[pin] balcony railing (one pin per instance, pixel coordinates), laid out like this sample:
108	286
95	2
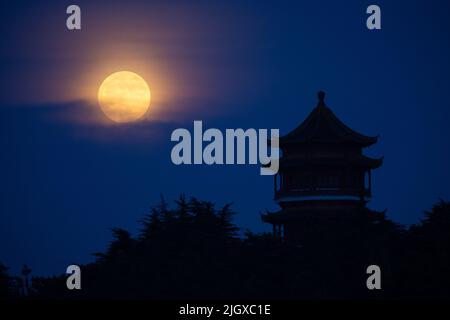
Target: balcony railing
325	191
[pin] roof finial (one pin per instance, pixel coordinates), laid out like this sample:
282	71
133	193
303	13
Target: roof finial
321	97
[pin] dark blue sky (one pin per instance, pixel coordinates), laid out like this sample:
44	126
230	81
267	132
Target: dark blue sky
67	176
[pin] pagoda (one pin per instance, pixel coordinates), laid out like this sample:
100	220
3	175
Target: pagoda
323	174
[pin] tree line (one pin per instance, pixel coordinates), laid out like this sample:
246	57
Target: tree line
193	249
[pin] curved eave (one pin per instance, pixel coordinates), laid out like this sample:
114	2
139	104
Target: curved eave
286	140
327	210
322	117
376	163
360	161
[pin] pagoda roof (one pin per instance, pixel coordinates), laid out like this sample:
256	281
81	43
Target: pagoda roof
324	212
357	160
322	126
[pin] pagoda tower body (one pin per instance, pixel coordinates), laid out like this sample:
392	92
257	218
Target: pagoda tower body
323	175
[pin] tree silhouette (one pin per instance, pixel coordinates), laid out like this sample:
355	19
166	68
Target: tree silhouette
428	257
194	250
5	282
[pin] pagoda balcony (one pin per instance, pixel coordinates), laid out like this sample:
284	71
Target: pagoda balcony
318	192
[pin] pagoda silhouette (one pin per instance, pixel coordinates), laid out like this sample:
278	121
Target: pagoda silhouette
323	179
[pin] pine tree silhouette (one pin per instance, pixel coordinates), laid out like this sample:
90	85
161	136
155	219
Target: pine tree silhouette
193	250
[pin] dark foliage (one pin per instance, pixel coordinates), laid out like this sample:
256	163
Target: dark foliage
194	251
4	282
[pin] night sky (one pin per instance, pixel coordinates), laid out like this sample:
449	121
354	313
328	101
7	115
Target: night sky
68	174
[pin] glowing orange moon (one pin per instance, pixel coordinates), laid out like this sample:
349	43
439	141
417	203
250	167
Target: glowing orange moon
124	96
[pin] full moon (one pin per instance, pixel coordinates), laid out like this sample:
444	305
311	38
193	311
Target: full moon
124	96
